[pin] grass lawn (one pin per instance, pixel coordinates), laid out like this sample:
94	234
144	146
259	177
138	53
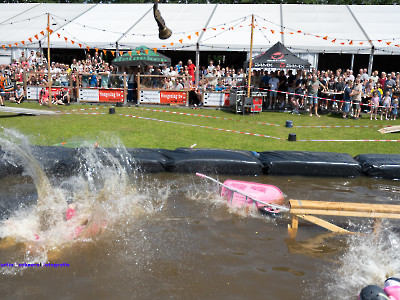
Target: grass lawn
144	133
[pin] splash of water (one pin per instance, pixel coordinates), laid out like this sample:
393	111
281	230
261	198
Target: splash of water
104	191
368	259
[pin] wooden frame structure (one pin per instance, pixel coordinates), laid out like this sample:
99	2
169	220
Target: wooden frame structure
307	209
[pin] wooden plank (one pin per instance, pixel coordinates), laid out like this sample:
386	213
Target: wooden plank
293	228
343	213
26	111
390	129
343	206
324	224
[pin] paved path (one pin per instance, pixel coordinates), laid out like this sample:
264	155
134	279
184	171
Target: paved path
26	111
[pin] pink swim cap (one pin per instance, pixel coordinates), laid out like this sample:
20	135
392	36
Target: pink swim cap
393	292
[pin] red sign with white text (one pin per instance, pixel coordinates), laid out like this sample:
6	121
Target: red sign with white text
173	97
106	95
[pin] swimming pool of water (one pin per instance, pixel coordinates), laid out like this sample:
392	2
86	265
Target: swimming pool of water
172	237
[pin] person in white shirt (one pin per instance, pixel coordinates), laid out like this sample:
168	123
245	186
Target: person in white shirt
273	86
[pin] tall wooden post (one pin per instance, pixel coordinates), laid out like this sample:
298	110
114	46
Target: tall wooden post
251	55
48	57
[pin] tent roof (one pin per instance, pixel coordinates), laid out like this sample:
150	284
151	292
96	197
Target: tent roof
305	28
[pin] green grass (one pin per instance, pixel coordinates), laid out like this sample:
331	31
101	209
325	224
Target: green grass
135	132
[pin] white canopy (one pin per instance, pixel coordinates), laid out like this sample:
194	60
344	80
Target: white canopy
301	28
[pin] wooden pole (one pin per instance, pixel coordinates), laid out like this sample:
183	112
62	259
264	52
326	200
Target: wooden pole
48	57
251	55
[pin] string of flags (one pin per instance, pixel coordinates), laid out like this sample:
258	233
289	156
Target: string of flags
191	36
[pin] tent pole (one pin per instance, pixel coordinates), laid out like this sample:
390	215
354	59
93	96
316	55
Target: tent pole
352	62
197	63
116	49
251	55
371	60
48	57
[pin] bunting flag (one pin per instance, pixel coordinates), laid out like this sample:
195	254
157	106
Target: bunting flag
189	37
30	39
104	51
112	52
4	47
66	39
16	44
146	51
42	32
120	53
130	53
138	52
59	35
36	36
80	45
73	42
155	50
181	40
23	42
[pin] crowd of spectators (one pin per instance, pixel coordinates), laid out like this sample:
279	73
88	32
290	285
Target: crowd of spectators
312	91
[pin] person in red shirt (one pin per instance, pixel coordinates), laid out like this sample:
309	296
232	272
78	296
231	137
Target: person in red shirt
191	69
2	81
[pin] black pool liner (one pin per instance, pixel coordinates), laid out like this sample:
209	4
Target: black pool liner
380	165
305	163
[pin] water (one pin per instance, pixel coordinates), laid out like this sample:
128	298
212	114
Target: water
169	236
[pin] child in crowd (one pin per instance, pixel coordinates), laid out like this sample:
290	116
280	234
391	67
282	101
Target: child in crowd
386	101
374	105
394	109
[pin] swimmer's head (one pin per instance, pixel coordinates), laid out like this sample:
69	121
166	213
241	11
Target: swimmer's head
372	292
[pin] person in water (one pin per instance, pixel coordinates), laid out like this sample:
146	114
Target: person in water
391	291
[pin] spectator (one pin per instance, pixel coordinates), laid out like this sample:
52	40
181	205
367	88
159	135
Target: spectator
357	93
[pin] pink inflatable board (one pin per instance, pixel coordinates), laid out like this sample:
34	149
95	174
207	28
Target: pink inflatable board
263	192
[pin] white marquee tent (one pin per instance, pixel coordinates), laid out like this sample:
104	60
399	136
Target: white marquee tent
301	28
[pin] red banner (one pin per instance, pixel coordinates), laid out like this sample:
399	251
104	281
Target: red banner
106	95
173	97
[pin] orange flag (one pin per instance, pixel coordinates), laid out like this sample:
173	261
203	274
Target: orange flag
57	35
87	47
16	44
23	42
163	46
325	38
181	40
4	47
342	43
298	31
105	52
9	45
333	40
155	50
66	39
97	50
397	45
172	44
351	43
121	52
36	36
80	45
214	28
272	31
112	52
189	37
138	52
361	43
388	43
42	32
204	29
130	53
72	42
379	41
146	51
197	33
30	39
281	32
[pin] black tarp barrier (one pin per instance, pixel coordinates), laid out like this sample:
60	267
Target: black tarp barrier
304	163
380	165
64	162
213	161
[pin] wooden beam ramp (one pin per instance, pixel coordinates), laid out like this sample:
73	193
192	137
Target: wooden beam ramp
307	209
